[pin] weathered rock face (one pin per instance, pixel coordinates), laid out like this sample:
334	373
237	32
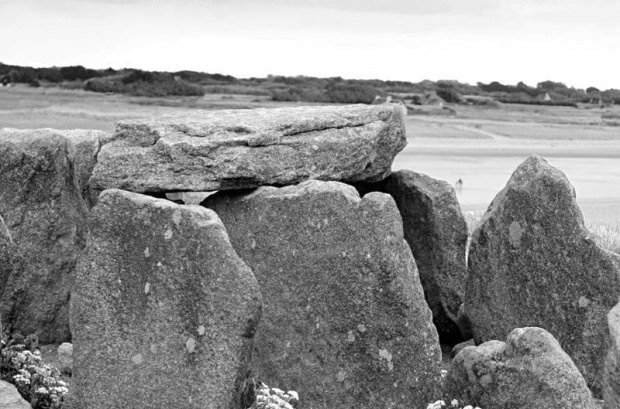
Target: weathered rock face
10	397
529	370
344	318
87	145
42	230
83	149
437	234
532	262
163	312
236	149
611	381
65	357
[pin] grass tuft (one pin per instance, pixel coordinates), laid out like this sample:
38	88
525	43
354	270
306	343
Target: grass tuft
608	237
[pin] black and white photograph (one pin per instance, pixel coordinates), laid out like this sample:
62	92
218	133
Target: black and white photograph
309	204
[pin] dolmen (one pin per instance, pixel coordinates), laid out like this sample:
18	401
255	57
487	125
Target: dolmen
286	276
302	262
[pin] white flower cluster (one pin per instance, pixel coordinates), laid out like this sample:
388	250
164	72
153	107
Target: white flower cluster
274	398
453	405
34	378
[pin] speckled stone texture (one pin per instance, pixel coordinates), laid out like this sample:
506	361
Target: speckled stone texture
237	149
84	145
163	311
42	230
87	145
611	380
437	234
10	397
529	370
345	322
532	262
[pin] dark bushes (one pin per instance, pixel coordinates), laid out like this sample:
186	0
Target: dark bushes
144	83
333	93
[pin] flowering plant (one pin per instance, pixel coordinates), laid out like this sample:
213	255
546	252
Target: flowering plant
454	404
37	382
274	398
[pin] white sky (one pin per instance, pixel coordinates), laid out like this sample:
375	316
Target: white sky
571	41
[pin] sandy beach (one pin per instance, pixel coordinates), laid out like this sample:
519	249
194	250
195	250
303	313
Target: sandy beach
485	165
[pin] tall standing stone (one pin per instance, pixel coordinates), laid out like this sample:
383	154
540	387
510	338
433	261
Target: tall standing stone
42	230
436	231
532	262
163	312
611	380
345	322
237	149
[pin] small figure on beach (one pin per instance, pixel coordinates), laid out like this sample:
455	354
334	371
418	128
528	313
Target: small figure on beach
459	185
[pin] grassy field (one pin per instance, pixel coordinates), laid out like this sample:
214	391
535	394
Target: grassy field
480	145
24	107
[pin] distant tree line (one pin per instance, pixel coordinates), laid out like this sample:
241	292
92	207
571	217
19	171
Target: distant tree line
298	88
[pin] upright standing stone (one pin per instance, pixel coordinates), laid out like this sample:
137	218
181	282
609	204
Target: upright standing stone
532	262
345	322
163	311
42	230
436	231
611	381
218	150
529	370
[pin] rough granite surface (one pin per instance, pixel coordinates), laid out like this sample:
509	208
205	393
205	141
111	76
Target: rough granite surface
237	149
87	146
10	397
42	231
345	322
529	370
532	262
611	380
163	312
436	231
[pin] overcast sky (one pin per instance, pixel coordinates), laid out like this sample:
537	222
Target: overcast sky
571	41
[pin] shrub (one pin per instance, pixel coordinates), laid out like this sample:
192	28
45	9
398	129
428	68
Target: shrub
144	83
449	95
351	94
77	72
37	382
299	94
454	404
274	398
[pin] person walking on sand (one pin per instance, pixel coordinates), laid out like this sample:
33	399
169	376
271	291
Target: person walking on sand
459	185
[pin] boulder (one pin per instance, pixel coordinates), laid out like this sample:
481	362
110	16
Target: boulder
611	379
460	346
529	370
533	262
10	397
65	357
238	149
345	322
42	230
436	231
163	311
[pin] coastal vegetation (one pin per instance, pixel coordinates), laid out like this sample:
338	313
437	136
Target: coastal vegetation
301	88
